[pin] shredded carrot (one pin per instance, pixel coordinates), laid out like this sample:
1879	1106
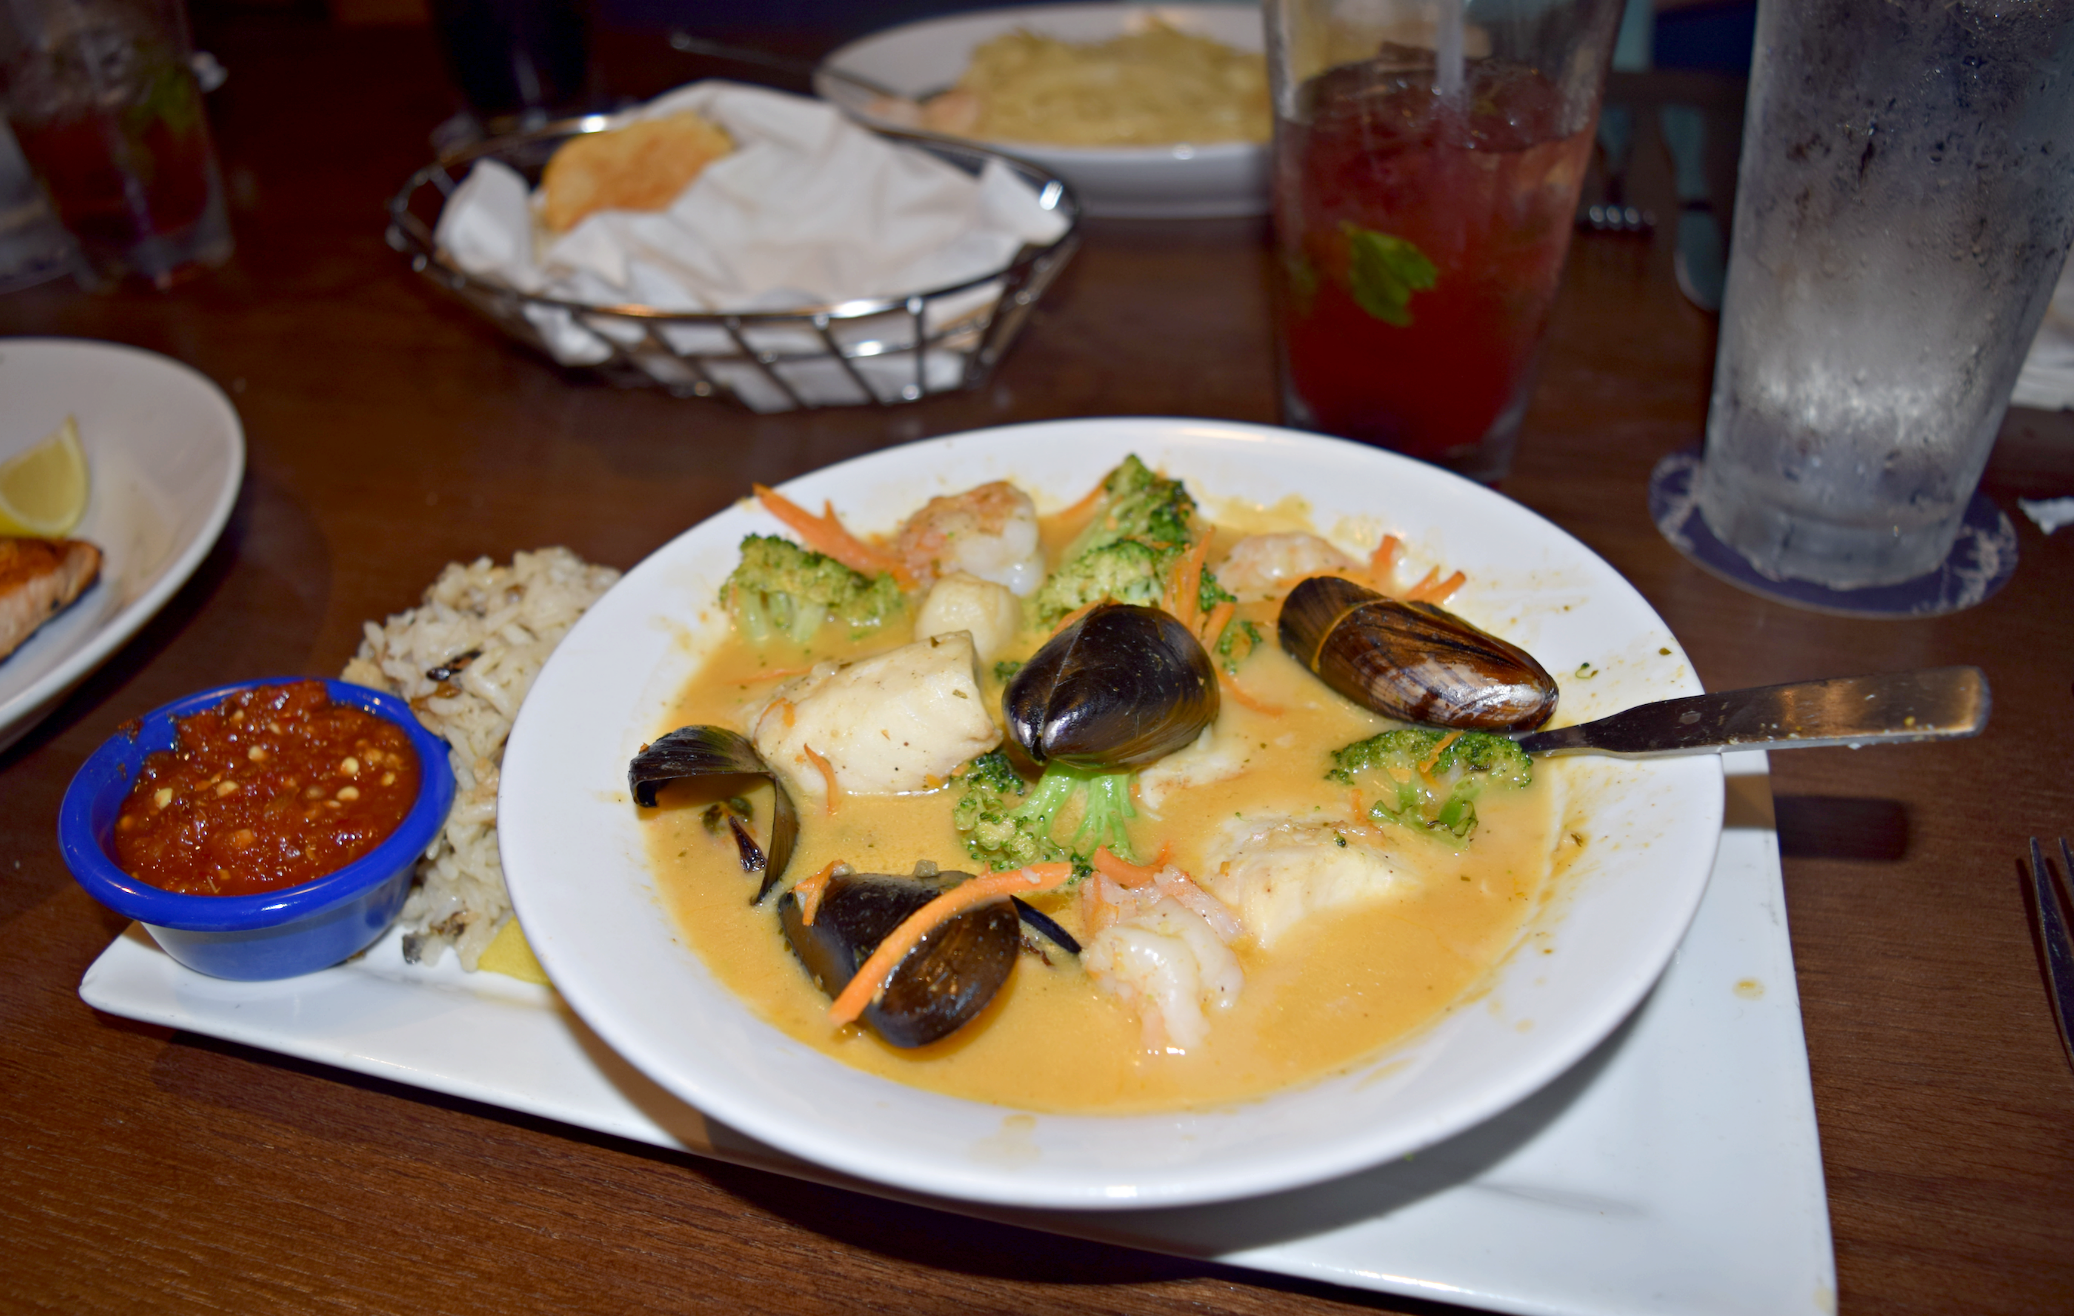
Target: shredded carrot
870	979
1432	591
1383	561
785	708
1354	798
1425	583
825	534
827	771
775	674
1077	614
1232	688
1426	767
1095	912
1128	874
1086	506
809	890
1220	617
1184	592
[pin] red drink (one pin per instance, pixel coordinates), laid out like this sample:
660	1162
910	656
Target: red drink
1421	241
112	186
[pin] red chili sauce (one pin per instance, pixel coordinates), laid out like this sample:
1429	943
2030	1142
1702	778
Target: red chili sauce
271	788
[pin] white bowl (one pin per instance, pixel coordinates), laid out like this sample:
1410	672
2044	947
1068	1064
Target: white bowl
1179	181
579	874
166	454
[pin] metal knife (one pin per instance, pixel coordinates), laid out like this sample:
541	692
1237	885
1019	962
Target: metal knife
1938	703
1700	266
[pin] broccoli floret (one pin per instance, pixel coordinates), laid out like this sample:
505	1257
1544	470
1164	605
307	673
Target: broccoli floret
1138	503
1422	783
1237	644
781	588
1128	548
1008	823
1127	570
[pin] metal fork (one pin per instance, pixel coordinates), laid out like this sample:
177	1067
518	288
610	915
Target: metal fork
2055	907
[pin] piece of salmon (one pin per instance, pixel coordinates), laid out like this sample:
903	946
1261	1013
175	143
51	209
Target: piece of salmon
38	577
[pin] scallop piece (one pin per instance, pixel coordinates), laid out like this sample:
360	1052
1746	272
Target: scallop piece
889	724
1276	870
1267	566
964	602
989	531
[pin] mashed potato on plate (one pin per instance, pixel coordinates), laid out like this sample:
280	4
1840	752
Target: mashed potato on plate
1149	88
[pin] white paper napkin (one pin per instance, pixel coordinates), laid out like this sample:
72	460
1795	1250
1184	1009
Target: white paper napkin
808	210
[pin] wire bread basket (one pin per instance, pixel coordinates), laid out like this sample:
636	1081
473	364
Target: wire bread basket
869	351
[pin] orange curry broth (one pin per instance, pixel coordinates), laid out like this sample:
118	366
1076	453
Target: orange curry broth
273	787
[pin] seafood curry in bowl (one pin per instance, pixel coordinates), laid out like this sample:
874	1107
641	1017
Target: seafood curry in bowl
965	829
1214	806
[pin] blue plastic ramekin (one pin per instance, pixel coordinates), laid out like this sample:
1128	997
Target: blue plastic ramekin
274	934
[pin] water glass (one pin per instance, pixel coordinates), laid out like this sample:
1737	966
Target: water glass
103	100
1428	158
1905	202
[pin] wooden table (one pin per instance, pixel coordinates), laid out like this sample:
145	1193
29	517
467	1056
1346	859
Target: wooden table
391	432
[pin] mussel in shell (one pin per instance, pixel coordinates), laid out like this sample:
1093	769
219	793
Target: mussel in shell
1413	661
718	752
940	985
1117	689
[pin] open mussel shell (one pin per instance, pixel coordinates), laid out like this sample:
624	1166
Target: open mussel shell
1117	689
1413	661
946	980
717	752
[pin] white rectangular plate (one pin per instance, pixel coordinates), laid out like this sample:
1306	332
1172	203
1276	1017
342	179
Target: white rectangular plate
1675	1170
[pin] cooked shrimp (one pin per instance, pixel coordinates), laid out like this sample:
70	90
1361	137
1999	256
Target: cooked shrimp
989	532
1269	566
1162	951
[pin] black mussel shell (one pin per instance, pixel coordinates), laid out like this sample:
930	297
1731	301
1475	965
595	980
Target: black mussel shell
946	980
1413	661
717	752
1117	689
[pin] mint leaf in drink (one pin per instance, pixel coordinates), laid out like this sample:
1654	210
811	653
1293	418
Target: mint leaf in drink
1384	271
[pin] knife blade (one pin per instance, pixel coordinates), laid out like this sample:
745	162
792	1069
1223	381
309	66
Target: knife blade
1699	264
1938	703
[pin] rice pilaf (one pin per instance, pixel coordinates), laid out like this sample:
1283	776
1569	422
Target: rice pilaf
464	658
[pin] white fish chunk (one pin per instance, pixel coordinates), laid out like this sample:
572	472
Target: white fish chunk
1276	870
1211	758
895	722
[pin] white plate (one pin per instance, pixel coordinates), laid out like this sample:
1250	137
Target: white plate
1675	1171
167	454
1180	181
576	864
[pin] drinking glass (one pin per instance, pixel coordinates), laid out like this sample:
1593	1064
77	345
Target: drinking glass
1428	157
1906	199
104	103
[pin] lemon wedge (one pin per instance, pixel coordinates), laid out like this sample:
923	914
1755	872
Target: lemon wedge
43	491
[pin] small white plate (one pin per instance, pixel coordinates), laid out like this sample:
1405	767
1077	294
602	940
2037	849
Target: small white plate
166	453
577	865
1181	181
